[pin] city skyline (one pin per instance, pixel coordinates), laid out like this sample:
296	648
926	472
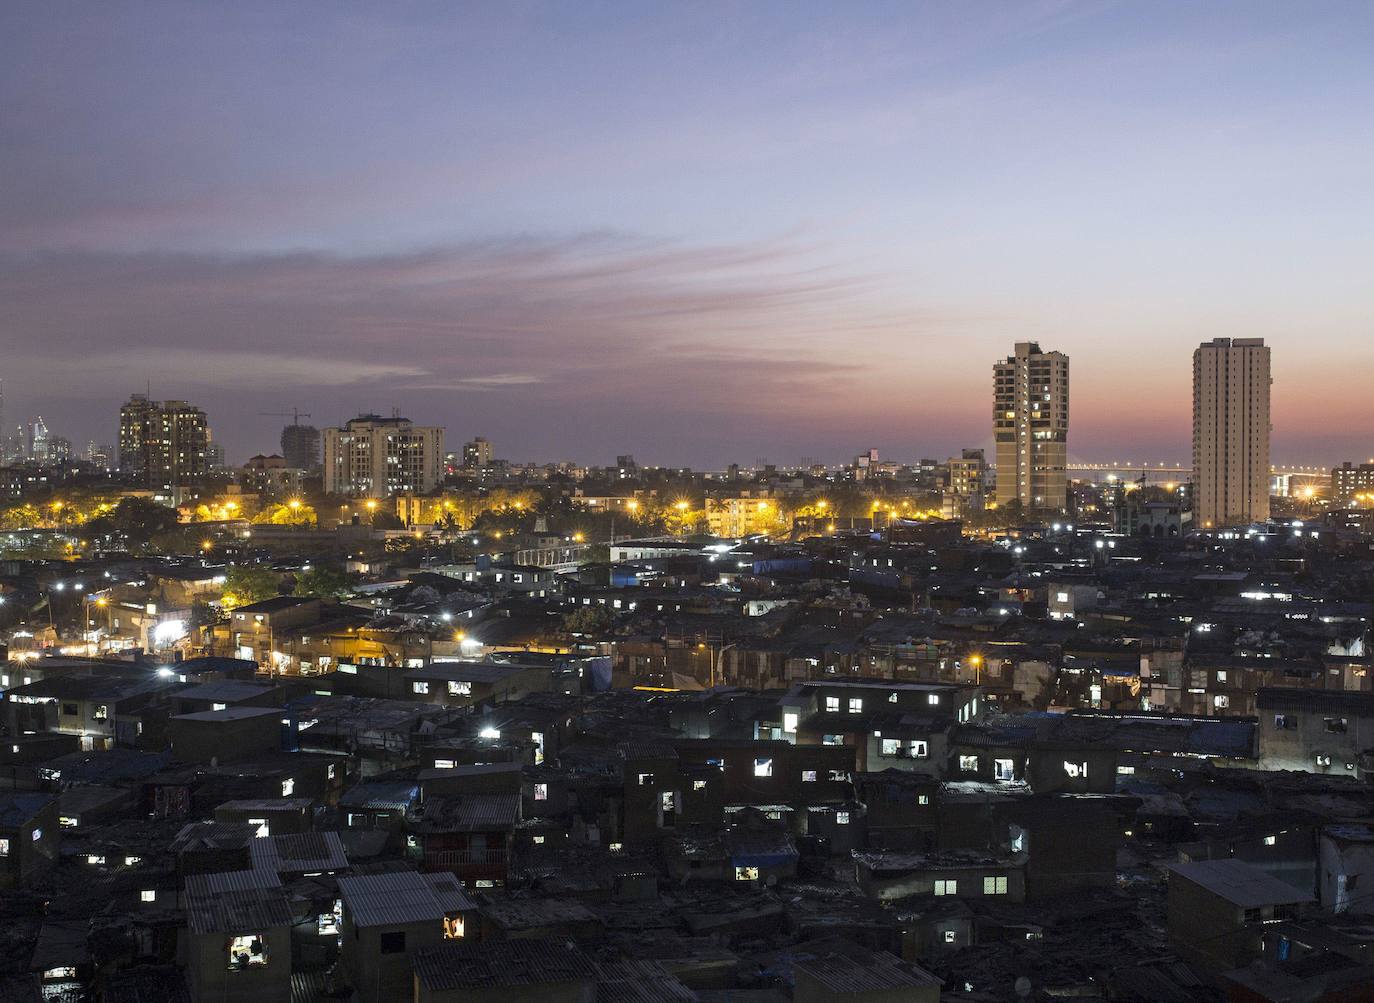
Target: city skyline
822	224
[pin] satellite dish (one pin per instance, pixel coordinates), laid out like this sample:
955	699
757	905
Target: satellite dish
1022	985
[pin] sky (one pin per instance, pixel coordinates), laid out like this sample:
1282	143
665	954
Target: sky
697	232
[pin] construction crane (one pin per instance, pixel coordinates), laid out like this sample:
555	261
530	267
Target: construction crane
294	414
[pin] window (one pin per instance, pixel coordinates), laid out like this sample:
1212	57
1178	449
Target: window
832	704
541	792
1270	840
4	846
261	823
892	698
1285	722
219	706
1323	760
1076	771
923	799
288	787
1221	675
147	895
838	776
892	747
950	936
968	764
856	705
667	800
538	840
763	767
808	776
995	886
832	740
1003	769
102	711
419	687
645	779
746	873
841	818
69	710
946	886
919	749
247	952
1221	701
933	699
700	785
445	764
131	860
394	942
454	927
1335	725
790	720
459	688
95	859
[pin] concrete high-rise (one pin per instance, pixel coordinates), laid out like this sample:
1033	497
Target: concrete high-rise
376	457
1231	384
300	446
1031	427
163	444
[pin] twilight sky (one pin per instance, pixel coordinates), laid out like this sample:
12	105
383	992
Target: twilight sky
695	231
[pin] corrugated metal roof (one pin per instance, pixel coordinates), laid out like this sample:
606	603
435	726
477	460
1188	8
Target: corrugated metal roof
1240	883
298	852
243	910
401	897
461	964
881	971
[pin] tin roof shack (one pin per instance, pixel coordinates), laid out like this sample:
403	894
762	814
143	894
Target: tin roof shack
901	809
301	854
221	693
965	874
238	943
469	835
225	735
1345	865
269	816
539	918
862	976
28	838
1218	908
513	971
463	684
1316	731
90	707
650	794
389	918
379	804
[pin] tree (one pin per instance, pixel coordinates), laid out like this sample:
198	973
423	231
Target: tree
293	513
322	582
244	585
588	620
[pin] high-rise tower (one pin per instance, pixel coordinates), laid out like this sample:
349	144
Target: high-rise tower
1031	426
1231	384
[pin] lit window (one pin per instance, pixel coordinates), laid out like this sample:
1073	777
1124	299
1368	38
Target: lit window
541	792
454	927
1076	771
808	776
841	818
856	705
919	749
419	687
946	886
832	740
95	860
445	764
130	861
1270	840
249	951
1003	769
763	767
838	776
832	704
949	936
933	699
645	779
698	785
968	764
923	799
995	886
261	823
789	721
147	895
746	873
892	747
538	840
459	688
288	787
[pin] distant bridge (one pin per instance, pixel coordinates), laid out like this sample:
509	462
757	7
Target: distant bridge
1164	472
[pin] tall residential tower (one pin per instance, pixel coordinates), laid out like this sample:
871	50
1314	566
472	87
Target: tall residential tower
1031	426
376	457
1230	432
